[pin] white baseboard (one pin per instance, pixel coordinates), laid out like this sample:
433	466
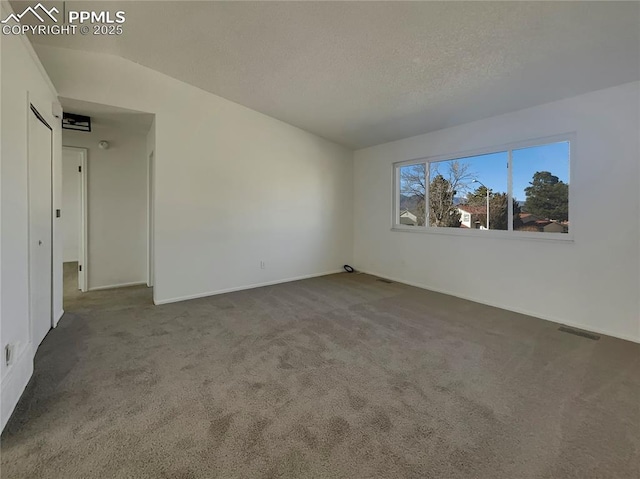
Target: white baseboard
241	288
121	285
515	310
15	381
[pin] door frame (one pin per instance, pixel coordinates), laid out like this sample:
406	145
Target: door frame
83	244
150	218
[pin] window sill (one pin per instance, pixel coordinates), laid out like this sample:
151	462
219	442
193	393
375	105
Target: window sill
491	234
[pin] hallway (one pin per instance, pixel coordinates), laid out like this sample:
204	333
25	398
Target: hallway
77	302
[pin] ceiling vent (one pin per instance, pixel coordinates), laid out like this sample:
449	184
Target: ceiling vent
71	121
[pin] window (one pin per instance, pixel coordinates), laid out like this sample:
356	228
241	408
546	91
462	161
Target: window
522	189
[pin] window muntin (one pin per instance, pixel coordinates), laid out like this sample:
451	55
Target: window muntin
451	193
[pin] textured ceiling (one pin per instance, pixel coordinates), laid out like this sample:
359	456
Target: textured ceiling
364	73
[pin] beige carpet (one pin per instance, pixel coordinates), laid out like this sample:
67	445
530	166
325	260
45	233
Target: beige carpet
342	376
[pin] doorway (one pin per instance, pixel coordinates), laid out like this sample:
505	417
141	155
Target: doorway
74	220
106	195
40	174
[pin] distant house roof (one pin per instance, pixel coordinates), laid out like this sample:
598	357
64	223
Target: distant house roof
473	209
544	225
408	218
528	218
555	227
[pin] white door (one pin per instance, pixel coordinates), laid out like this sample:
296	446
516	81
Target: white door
40	237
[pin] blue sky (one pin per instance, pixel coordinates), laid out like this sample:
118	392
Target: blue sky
553	157
492	169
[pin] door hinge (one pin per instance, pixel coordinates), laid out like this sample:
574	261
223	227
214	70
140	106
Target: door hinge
79	169
79	267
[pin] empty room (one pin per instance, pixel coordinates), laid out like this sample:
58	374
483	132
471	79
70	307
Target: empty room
320	239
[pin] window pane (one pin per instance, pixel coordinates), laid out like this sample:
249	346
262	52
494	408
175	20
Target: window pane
412	190
458	196
541	188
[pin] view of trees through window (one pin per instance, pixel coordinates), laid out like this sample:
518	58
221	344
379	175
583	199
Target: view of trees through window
473	192
412	195
541	188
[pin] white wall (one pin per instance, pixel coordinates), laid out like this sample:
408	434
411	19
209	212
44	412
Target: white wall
233	187
70	220
591	283
117	203
22	81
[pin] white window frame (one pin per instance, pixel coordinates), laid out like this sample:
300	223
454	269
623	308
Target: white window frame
505	148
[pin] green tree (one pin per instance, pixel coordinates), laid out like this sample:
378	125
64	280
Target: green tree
498	208
478	197
448	179
499	212
547	197
517	222
442	211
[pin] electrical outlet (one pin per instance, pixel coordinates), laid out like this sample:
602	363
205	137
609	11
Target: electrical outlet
263	265
8	354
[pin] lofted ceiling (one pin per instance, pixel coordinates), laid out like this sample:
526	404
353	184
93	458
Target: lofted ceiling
364	73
